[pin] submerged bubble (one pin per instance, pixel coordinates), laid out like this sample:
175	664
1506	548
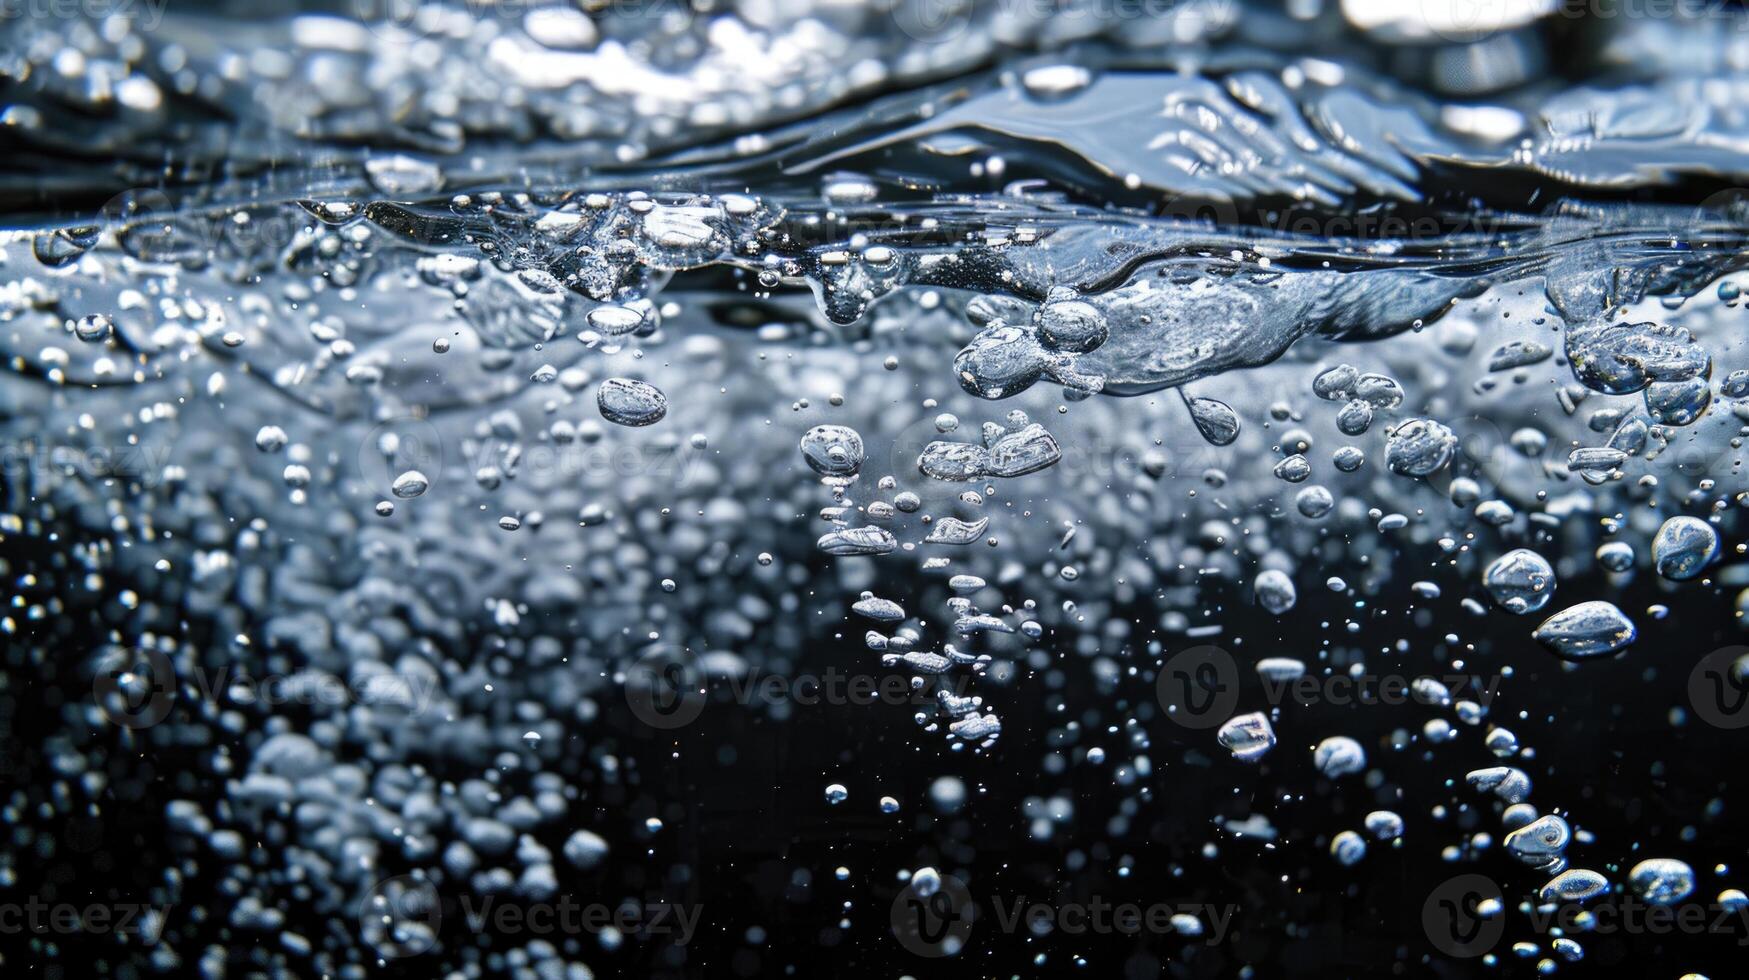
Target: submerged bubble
1419	447
1678	402
1662	881
1538	841
1622	358
1574	885
1248	737
1339	756
93	328
410	484
1384	825
833	450
1335	383
1589	629
1684	547
1617	556
1066	323
627	402
1217	422
858	541
1275	591
1348	848
1000	361
1521	581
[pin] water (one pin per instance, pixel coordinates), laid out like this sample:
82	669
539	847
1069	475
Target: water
635	490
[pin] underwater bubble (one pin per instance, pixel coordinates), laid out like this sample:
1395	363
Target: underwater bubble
1066	323
952	530
93	328
1683	548
1541	839
410	484
1589	629
833	450
624	401
1622	358
1662	881
1275	591
1293	469
1521	581
858	541
1217	422
1348	848
1383	825
1574	885
1378	390
880	610
270	439
1000	361
1355	417
1314	502
1617	556
1248	737
1339	756
1517	353
1505	782
1335	383
1678	403
1419	447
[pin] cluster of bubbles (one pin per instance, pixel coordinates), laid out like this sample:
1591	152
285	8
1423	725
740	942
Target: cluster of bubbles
368	456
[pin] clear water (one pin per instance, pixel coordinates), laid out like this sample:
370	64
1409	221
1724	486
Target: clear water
803	472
